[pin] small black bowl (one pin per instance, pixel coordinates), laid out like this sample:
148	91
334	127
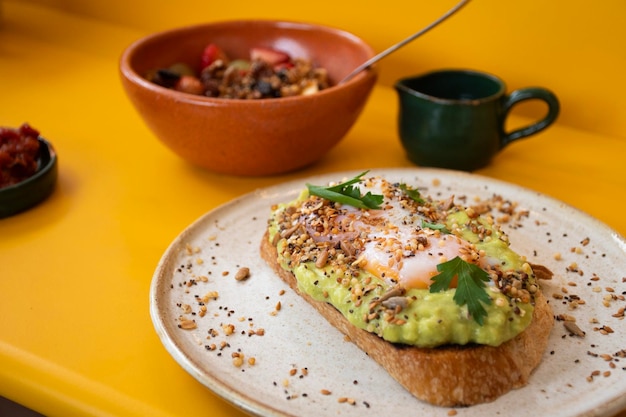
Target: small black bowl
33	190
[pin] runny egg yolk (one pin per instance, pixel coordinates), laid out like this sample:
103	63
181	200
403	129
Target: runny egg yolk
411	269
391	252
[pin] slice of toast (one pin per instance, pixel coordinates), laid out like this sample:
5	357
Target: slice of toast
447	375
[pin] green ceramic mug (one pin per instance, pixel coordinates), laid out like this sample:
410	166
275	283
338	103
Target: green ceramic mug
456	118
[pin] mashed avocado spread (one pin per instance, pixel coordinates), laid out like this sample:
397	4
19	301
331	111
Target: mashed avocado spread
330	248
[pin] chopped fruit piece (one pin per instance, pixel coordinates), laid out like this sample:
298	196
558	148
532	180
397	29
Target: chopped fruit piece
284	65
189	84
311	88
241	64
269	55
211	54
181	68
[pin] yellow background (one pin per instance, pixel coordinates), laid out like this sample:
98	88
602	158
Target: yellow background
576	48
75	332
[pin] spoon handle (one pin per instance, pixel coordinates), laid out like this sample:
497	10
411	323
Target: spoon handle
400	44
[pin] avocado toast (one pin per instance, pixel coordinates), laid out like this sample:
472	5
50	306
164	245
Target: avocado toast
429	289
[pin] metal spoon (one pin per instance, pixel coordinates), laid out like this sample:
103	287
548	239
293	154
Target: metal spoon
400	44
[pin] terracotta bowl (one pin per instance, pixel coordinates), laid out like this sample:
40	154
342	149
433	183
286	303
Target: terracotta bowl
249	137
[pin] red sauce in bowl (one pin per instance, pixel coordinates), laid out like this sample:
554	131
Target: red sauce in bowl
19	154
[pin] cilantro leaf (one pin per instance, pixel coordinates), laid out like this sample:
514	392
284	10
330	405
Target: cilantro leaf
470	288
346	193
412	193
435	226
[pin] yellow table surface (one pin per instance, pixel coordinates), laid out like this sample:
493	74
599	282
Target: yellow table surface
75	332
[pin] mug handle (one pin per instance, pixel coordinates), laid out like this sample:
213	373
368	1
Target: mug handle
530	93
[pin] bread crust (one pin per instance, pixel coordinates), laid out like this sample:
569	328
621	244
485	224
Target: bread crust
448	375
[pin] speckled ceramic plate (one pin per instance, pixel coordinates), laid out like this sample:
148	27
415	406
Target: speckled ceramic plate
290	355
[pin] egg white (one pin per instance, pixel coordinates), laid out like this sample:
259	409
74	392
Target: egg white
391	249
